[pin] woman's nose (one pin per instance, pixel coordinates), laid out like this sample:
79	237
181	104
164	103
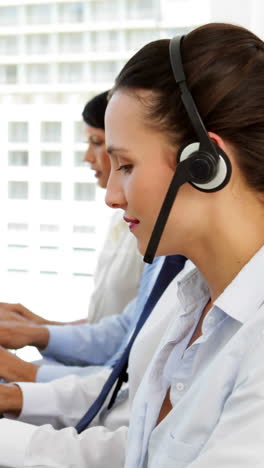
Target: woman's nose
89	155
114	197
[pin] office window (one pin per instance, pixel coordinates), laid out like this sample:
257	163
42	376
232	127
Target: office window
38	14
46	272
17	132
103	41
8	74
38	44
84	191
71	42
83	261
17	158
38	73
50	191
50	132
17	226
9	16
18	257
79	132
17	246
137	39
49	228
142	9
104	71
103	10
20	98
8	45
78	158
70	72
50	158
17	270
71	12
17	190
171	32
83	229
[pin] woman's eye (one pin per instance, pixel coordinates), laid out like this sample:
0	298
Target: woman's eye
94	143
127	168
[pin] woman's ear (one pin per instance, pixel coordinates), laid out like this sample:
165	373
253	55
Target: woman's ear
224	145
219	141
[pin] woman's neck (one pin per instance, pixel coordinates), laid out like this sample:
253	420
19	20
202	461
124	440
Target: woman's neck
222	257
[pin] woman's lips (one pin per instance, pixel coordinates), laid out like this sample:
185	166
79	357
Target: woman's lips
132	223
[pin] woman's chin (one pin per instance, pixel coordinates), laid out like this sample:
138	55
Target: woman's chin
142	247
160	252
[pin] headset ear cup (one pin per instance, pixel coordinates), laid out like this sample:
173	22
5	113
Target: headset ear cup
223	172
187	150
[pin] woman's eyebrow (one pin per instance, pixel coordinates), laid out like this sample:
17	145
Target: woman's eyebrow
114	149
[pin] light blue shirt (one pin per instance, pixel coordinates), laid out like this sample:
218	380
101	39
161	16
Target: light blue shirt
99	344
216	385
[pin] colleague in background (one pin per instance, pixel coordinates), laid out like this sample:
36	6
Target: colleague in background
70	349
119	251
38	410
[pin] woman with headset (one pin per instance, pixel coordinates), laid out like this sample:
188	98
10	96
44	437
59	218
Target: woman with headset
201	401
185	134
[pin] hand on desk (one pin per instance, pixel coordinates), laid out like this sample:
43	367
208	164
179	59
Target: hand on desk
11	399
17	312
15	335
12	368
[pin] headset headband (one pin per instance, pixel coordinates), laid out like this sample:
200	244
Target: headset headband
187	99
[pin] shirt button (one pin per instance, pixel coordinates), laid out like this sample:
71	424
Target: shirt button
180	386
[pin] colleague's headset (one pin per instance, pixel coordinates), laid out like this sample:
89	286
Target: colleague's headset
201	163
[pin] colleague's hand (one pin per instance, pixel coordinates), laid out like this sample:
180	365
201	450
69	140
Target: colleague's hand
19	312
9	315
15	335
12	368
11	399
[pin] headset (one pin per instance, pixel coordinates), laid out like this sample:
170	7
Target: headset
201	163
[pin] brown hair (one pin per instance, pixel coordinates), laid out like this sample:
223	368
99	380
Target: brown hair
224	66
94	110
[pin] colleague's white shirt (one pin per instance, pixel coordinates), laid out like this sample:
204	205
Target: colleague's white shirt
87	346
216	386
118	271
50	403
25	445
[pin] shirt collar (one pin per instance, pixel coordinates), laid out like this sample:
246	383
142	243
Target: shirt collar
192	289
245	293
241	297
